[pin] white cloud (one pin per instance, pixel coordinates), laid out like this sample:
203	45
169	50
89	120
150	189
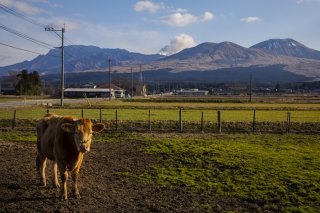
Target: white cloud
22	6
251	19
181	18
177	44
147	5
207	16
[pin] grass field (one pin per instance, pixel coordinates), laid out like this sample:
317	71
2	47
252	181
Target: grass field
254	173
203	105
169	114
275	173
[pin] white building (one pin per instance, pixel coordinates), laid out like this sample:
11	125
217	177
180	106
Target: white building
192	92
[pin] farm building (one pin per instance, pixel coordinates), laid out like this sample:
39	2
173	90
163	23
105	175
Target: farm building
192	92
88	92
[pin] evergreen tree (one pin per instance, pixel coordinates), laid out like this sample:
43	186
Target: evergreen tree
29	83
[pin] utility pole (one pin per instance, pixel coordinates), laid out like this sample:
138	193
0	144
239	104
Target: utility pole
62	59
109	60
131	83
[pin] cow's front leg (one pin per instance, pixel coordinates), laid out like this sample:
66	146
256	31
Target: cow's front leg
55	175
41	167
64	177
75	176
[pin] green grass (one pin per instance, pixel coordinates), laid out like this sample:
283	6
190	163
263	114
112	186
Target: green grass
185	103
18	136
168	114
273	172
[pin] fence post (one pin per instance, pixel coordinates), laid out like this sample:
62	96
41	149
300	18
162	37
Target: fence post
180	119
81	113
149	124
116	120
219	121
201	121
254	121
288	122
100	115
14	119
48	110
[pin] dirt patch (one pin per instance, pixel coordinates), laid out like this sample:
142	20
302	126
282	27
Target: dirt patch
101	189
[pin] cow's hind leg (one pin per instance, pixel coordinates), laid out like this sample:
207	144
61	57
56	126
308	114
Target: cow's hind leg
41	167
55	181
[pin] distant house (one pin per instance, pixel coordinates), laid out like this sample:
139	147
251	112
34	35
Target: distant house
8	91
88	85
192	92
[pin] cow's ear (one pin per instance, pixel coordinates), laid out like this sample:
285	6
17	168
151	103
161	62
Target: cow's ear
69	128
97	127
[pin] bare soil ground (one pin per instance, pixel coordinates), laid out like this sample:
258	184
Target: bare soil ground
101	189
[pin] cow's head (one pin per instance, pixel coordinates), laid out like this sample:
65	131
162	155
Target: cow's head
82	132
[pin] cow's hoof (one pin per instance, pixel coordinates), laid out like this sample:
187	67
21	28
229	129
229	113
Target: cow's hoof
42	186
57	186
77	195
63	197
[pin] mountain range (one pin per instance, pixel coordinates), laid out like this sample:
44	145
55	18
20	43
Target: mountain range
292	56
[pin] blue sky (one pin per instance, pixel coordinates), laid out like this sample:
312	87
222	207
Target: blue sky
150	26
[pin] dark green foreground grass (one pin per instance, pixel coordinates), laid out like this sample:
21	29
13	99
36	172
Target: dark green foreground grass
265	172
277	173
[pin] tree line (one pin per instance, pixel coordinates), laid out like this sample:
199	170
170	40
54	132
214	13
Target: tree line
28	83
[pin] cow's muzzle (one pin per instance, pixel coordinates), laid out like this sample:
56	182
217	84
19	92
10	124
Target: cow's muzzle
83	148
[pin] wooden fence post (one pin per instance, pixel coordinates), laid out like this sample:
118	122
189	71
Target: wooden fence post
201	121
100	115
81	113
288	122
116	120
14	119
219	121
254	121
180	119
149	123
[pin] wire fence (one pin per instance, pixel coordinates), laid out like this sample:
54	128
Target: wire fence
179	120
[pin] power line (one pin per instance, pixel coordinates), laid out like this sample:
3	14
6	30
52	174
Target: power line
25	18
22	35
19	15
7	45
32	21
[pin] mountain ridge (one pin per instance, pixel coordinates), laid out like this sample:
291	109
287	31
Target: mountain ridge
294	56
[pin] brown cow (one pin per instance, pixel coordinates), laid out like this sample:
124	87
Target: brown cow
63	140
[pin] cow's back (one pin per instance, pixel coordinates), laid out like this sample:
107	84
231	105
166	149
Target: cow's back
46	130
